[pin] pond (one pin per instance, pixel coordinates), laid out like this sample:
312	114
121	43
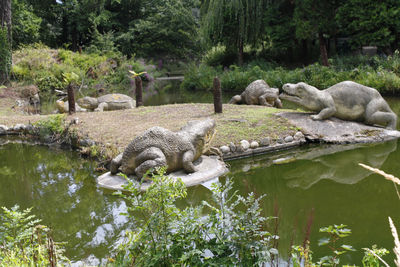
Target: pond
318	185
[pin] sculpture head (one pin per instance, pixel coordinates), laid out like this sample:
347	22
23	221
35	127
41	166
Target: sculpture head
302	94
201	133
88	102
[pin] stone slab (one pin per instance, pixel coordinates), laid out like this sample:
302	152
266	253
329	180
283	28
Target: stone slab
210	167
337	131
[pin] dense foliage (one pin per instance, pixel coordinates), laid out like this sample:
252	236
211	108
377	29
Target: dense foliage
381	73
225	232
24	242
283	29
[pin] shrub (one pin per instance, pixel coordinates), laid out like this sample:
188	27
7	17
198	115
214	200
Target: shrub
199	77
170	236
53	125
25	242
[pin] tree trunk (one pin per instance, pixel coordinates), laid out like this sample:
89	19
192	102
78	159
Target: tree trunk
322	49
5	17
5	49
217	96
139	89
240	53
71	99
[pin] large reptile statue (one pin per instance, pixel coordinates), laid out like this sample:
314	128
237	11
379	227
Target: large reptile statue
258	93
107	102
346	100
158	147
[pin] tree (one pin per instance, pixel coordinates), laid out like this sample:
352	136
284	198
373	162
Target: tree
370	23
26	24
167	27
5	40
234	23
315	19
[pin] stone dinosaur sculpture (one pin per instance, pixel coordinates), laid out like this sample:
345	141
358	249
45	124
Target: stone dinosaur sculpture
346	100
158	147
258	93
107	102
63	107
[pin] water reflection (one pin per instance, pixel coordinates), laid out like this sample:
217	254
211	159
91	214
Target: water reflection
61	189
325	183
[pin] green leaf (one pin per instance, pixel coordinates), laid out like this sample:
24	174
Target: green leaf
324	241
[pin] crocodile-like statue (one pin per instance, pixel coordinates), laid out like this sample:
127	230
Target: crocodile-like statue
107	102
346	100
158	147
258	93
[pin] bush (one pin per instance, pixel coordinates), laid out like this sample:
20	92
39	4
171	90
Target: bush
377	72
170	236
25	242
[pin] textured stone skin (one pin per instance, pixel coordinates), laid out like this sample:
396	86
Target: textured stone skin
158	147
107	102
258	93
346	100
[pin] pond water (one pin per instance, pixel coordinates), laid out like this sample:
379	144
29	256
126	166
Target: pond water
317	183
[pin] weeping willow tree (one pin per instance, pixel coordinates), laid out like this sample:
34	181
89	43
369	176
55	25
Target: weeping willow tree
233	23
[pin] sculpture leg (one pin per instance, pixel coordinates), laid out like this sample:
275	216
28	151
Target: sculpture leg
278	103
378	112
115	164
187	162
149	158
237	99
102	106
263	99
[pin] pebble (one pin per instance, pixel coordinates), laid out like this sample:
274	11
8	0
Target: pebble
224	149
244	144
232	147
265	141
254	144
298	136
19	127
288	139
3	129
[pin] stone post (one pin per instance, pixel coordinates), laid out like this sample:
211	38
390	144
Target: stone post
139	98
71	99
217	96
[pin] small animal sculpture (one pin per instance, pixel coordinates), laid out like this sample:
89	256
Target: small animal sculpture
258	93
158	147
107	102
346	100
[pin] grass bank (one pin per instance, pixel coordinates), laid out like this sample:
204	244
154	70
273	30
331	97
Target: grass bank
116	129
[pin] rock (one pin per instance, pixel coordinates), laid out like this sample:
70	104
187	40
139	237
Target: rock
288	139
3	129
19	127
298	136
86	142
280	141
265	141
244	144
232	147
254	144
224	149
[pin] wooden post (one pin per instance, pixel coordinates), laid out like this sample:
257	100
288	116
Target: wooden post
71	99
217	96
139	98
